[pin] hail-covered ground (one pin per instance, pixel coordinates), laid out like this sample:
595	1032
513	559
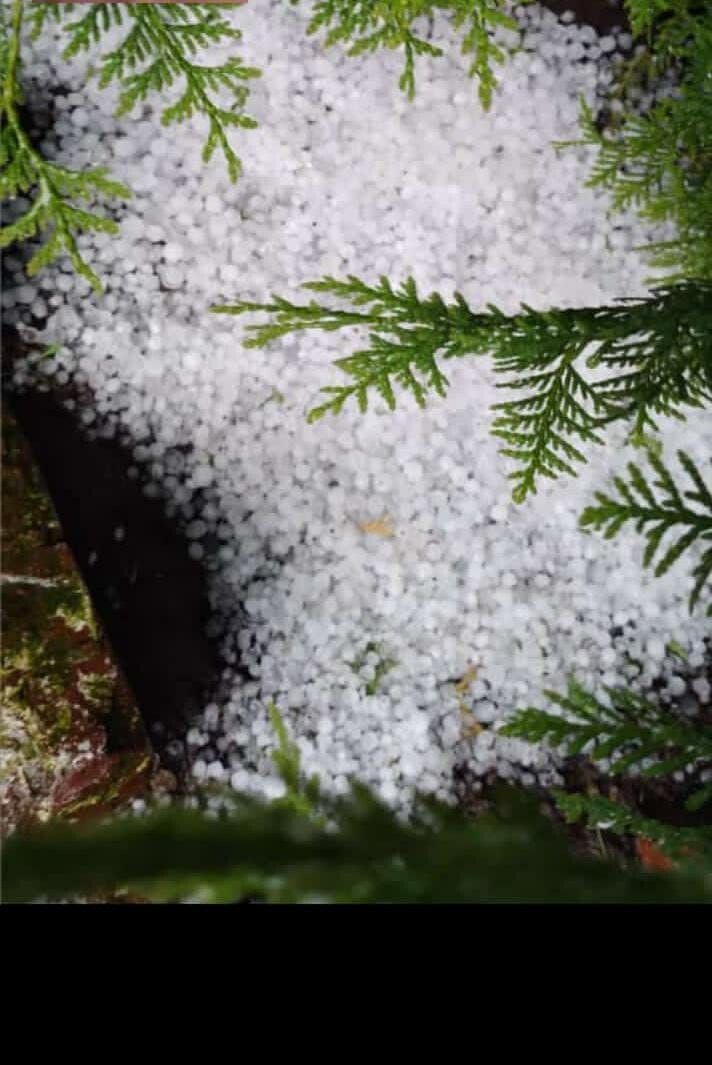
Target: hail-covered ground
370	572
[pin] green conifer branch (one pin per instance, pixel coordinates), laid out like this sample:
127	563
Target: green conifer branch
367	25
660	509
691	845
658	352
660	162
302	796
54	189
365	854
41	14
158	51
627	729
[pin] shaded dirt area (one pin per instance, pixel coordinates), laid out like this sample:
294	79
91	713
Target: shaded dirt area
149	594
603	15
64	701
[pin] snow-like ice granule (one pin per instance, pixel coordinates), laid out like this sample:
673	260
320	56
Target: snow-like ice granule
345	176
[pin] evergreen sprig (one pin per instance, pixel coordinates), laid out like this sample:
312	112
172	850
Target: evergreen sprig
406	334
367	25
665	25
658	509
628	729
657	353
679	843
660	162
53	190
302	795
365	854
39	15
158	52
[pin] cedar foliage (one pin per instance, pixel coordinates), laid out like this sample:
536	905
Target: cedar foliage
575	370
624	728
157	53
658	352
368	25
160	50
307	848
55	192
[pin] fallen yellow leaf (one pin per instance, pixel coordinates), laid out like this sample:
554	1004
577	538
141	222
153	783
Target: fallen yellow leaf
466	680
380	527
472	726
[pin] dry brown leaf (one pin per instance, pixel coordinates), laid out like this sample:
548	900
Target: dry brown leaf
472	726
652	857
466	680
380	527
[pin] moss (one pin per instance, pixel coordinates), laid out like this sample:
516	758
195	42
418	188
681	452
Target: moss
61	687
107	783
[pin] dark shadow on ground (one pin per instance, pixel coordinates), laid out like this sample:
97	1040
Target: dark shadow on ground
150	596
603	15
